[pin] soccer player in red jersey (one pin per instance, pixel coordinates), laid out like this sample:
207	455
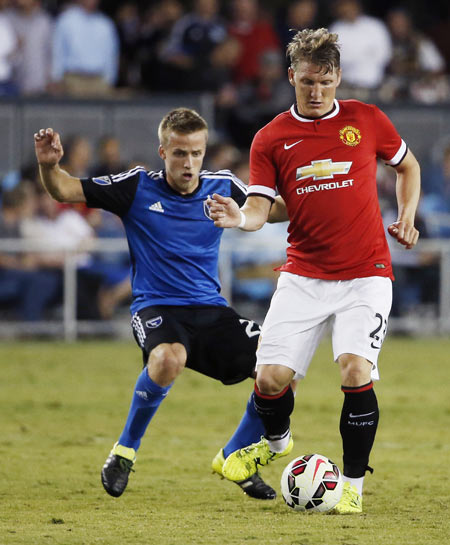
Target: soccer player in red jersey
321	157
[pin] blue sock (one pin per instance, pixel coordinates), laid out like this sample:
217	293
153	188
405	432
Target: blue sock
147	398
249	430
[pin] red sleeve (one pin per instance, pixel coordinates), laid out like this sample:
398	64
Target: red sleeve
263	175
390	147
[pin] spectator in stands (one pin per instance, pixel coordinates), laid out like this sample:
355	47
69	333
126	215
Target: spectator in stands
439	31
259	99
78	156
256	256
33	27
108	157
25	289
64	229
128	26
156	26
85	51
255	33
222	155
416	273
435	203
366	47
115	288
105	274
222	62
112	267
8	47
191	43
297	15
417	67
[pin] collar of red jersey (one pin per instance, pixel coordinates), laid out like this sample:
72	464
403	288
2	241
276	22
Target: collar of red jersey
334	111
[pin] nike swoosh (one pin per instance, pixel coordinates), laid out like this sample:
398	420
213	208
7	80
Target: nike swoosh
351	415
286	146
317	467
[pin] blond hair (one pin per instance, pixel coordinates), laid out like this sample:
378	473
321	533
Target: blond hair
317	46
183	121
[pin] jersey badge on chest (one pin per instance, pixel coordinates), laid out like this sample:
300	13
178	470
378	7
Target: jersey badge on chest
351	136
206	209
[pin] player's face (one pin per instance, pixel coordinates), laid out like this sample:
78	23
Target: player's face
315	89
183	157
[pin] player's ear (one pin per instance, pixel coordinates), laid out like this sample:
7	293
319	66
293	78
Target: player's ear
291	76
162	153
339	76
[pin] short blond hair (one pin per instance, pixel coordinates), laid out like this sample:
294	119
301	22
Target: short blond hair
183	121
317	46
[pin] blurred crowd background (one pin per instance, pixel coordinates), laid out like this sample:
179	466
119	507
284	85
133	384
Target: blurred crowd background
233	53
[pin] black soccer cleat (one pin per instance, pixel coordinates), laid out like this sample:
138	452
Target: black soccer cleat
255	487
115	474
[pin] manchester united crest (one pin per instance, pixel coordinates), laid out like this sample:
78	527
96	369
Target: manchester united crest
350	135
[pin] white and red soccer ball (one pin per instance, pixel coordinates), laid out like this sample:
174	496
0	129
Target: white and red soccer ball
311	482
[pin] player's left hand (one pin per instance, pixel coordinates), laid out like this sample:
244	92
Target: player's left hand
405	233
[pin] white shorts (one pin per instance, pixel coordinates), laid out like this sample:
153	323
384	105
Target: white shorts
302	308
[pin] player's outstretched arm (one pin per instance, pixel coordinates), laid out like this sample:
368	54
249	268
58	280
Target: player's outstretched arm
408	193
226	213
278	211
60	184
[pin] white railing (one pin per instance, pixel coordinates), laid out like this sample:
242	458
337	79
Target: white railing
69	328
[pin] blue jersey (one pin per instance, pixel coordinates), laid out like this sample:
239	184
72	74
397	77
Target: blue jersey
174	244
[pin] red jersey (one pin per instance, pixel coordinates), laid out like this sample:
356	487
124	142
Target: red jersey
325	170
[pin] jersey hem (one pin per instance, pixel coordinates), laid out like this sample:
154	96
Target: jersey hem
137	307
350	275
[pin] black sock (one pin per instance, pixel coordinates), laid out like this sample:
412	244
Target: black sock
275	411
358	426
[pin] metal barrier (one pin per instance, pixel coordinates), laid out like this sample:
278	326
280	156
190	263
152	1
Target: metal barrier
69	328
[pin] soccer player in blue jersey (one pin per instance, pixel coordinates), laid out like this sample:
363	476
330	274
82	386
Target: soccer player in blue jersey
179	317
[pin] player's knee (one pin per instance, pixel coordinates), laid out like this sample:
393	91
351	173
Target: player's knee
355	370
166	362
271	379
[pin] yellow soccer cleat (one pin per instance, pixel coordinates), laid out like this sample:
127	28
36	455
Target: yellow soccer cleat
243	463
350	502
217	463
254	487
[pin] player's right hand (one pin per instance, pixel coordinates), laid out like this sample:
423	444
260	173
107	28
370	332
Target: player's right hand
48	147
404	232
224	211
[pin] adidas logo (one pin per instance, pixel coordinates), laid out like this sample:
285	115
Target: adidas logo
141	394
156	207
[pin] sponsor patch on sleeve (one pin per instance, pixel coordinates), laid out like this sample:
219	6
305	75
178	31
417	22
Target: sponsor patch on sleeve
102	180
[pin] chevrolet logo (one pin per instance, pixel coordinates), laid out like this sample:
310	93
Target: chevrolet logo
323	169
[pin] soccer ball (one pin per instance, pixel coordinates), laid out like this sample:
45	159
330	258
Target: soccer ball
311	483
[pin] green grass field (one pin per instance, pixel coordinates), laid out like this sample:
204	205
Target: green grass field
63	406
